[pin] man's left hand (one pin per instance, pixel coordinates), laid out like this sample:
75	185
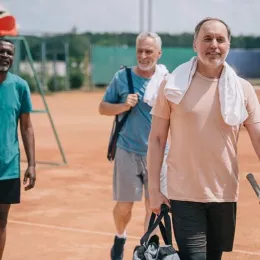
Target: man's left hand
30	174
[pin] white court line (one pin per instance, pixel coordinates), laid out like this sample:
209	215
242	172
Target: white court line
100	233
66	228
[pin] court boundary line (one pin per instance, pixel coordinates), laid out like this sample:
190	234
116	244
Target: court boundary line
77	230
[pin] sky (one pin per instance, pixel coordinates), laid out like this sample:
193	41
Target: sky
168	16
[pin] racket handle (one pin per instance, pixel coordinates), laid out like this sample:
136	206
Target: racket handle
250	177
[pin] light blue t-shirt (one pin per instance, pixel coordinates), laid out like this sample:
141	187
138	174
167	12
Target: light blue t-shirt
14	100
134	134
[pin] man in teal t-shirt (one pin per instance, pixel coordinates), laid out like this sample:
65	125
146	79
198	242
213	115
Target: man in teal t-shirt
130	180
15	106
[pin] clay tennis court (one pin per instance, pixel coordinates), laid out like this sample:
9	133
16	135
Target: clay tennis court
68	215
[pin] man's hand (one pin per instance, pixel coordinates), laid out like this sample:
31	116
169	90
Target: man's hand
131	100
31	175
156	201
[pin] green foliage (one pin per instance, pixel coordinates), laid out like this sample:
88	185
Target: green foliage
76	79
30	80
56	84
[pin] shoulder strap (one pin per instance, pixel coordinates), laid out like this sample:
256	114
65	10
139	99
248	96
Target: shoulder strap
129	80
131	91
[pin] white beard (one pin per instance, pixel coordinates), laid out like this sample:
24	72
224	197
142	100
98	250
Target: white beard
146	67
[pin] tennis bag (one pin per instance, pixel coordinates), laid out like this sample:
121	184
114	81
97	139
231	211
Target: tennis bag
118	124
150	248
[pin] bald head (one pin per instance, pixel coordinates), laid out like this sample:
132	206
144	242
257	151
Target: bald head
6	55
210	20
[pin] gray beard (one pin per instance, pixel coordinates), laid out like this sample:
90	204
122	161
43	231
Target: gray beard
4	68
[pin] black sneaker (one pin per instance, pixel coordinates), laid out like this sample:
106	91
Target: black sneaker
117	250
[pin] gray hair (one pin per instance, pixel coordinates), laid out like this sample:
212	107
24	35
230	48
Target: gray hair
155	36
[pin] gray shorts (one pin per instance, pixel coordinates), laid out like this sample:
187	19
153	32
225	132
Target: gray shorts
131	178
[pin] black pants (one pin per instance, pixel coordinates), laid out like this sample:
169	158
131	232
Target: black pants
203	230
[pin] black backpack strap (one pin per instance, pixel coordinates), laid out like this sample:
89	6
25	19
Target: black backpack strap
130	80
131	91
117	125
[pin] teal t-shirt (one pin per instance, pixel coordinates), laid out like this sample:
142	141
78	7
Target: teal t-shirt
14	100
134	135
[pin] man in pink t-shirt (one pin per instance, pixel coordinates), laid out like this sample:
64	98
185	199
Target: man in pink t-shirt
202	162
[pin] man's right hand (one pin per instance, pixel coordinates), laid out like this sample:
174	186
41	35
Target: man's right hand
156	201
131	100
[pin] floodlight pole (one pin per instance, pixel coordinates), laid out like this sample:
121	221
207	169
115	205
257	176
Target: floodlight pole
141	15
150	15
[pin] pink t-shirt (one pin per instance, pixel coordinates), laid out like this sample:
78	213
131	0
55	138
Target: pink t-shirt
202	161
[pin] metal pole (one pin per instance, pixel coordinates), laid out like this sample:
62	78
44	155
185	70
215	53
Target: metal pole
150	15
43	65
89	65
141	15
44	101
55	70
16	66
66	48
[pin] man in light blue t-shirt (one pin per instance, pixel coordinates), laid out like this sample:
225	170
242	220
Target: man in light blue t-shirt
130	171
15	106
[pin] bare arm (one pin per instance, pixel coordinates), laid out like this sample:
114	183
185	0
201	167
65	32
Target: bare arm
156	147
27	134
109	109
254	133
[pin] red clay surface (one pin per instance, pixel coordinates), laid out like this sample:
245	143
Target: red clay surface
68	215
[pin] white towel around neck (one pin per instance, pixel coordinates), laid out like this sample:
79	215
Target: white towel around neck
231	93
151	90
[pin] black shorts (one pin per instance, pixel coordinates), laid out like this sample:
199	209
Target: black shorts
202	227
10	191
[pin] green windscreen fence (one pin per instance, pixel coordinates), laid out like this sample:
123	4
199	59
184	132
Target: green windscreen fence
173	57
105	61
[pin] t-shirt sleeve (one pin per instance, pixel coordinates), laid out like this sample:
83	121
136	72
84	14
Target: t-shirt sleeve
162	107
26	103
252	105
111	94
